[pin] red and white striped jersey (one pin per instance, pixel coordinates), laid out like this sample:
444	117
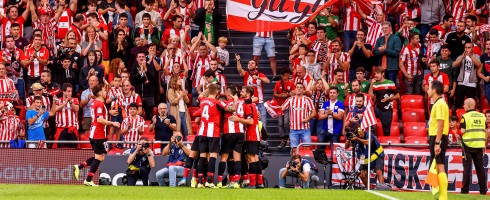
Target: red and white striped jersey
64	23
334	64
7	24
432	49
220	79
305	80
299	109
35	68
210	117
167	72
48	32
7	85
266	34
374	31
352	19
252	132
248	80
442	33
132	124
98	109
234	127
10	126
411	12
201	64
459	9
170	32
185	14
442	77
410	55
124	101
350	101
114	91
66	117
198	4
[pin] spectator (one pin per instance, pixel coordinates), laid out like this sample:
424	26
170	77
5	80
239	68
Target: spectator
66	111
350	101
328	21
101	32
375	30
444	27
434	10
120	48
13	17
140	47
11	58
460	9
91	42
484	74
163	124
407	28
35	60
332	112
116	68
65	74
304	170
76	26
454	135
178	99
147	29
282	91
384	92
409	65
175	30
140	162
301	111
352	22
304	78
387	52
19	41
299	58
86	100
319	94
468	63
47	23
265	40
223	56
72	50
143	78
107	9
432	48
119	112
254	78
364	84
90	69
120	6
51	88
457	41
11	127
155	18
208	19
177	153
320	46
361	51
338	81
436	75
337	59
35	118
201	61
313	68
125	25
127	97
446	66
132	126
471	30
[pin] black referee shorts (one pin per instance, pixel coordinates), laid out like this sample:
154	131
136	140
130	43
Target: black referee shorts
441	158
99	146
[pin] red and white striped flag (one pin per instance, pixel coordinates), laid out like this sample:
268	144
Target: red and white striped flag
368	117
258	16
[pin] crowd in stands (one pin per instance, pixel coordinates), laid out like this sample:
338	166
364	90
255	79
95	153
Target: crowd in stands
151	52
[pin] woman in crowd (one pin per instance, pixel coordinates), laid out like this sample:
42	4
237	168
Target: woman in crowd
178	99
117	66
120	48
91	41
319	94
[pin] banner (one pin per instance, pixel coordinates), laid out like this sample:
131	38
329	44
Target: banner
407	168
271	15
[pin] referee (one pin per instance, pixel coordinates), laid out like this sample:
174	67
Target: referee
474	142
438	131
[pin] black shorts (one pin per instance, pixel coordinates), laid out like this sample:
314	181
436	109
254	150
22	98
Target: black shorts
441	158
232	142
99	146
379	165
209	144
195	143
252	147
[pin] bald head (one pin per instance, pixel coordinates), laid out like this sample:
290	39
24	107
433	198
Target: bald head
469	104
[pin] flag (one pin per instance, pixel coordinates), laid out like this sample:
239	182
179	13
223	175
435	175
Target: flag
259	16
366	6
273	109
368	117
432	178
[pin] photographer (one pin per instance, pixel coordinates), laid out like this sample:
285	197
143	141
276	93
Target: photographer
298	168
177	153
140	162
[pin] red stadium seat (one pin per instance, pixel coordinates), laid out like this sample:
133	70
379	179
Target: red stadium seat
157	147
484	103
460	112
379	128
389	139
115	151
191	111
155	111
195	128
190	138
416	140
413	115
306	151
147	129
395	116
412	101
84	137
395	129
414	129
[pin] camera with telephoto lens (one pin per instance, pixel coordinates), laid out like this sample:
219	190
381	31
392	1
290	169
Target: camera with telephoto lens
145	145
292	164
349	133
178	138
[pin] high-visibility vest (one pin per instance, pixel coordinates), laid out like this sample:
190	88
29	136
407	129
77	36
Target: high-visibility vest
475	134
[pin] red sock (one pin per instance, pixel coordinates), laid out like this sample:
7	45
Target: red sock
186	172
194	174
245	177
220	178
237	177
210	177
200	178
260	181
252	179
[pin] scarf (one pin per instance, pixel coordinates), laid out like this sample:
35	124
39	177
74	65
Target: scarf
142	32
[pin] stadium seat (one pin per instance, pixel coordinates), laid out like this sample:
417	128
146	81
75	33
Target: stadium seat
155	111
413	115
379	128
389	139
412	101
191	112
416	140
147	129
314	139
84	137
460	112
484	103
195	128
395	116
306	151
395	129
190	138
414	129
156	145
115	151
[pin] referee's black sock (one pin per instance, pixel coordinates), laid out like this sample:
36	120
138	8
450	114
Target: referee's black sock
86	163
93	168
211	169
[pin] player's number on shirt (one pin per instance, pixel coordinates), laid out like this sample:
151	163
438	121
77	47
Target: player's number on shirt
205	112
239	111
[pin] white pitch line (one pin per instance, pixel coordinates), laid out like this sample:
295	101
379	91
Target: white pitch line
381	195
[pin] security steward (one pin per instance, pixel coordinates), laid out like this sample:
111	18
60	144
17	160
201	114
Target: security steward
472	126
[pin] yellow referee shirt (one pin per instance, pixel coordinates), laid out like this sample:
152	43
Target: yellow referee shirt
440	111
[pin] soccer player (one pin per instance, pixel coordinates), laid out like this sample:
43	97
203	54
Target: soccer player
98	138
252	138
209	129
132	126
438	131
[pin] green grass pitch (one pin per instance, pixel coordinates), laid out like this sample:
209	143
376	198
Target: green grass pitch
11	191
